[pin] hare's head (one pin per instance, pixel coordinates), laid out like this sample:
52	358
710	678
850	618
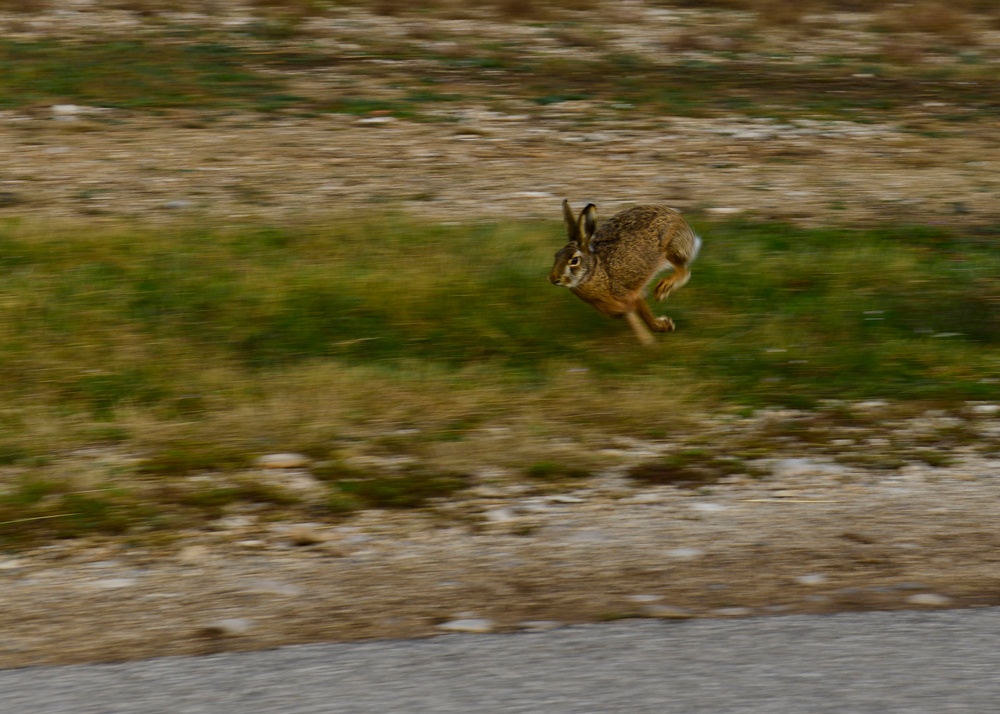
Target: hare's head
575	261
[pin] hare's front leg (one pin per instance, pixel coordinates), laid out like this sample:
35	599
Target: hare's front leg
656	324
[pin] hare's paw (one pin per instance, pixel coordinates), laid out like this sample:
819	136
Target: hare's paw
664	324
664	288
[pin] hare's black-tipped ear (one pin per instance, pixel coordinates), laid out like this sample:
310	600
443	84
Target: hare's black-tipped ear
586	225
570	220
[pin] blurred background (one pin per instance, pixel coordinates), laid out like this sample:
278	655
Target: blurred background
230	231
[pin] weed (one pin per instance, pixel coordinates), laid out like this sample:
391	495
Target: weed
187	457
555	471
410	489
690	467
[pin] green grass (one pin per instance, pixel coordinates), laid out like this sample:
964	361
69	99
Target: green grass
135	74
775	314
199	70
195	350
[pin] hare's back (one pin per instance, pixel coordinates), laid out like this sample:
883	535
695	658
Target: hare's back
649	234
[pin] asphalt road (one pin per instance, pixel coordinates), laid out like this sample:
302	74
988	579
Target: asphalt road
947	661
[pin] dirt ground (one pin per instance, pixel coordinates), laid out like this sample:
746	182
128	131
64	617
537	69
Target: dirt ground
809	537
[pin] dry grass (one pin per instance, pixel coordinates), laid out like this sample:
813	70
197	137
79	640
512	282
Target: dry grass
945	20
24	6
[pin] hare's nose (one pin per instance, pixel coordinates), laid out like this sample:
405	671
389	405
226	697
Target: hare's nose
554	279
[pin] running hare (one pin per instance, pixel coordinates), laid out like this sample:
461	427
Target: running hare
611	267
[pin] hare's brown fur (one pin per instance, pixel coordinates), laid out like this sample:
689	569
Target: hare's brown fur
611	266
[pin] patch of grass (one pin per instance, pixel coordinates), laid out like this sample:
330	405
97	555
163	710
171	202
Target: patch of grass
36	508
409	489
134	74
180	458
202	348
690	468
556	471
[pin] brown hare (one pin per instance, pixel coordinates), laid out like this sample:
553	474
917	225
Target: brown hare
610	267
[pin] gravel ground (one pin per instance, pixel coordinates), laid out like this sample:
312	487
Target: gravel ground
811	537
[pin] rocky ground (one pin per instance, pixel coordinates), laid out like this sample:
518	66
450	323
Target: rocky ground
492	165
806	534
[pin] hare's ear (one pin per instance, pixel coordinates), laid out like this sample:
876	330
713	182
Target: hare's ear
570	221
586	225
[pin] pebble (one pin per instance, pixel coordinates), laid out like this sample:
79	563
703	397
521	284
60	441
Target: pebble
178	205
273	587
814	579
872	404
13	564
229	627
929	599
708	507
113	583
233	522
305	535
499	515
641	499
564	499
283	461
986	409
470	625
685	553
644	598
666	612
795	468
65	111
192	554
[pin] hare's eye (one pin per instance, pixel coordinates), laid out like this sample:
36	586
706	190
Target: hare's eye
575	261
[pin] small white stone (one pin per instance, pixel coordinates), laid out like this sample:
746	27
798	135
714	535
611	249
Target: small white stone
986	409
532	194
376	120
641	499
283	461
708	507
305	535
562	498
273	587
193	554
13	564
685	553
65	110
233	522
229	627
113	583
470	625
929	599
499	515
814	579
725	211
643	598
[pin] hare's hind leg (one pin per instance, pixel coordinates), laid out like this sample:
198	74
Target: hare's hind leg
676	279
